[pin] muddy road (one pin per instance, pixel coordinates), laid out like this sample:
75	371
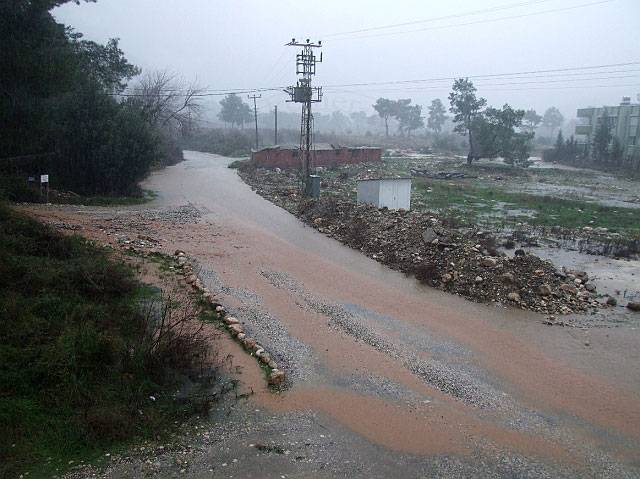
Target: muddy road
386	378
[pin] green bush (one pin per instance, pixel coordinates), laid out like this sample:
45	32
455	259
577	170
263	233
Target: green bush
103	147
58	107
16	188
76	362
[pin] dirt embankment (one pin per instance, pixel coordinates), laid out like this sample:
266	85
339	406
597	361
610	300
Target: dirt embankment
461	261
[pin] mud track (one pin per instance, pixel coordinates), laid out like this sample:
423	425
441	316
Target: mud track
386	378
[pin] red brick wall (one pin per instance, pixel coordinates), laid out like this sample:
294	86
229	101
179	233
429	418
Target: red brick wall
276	158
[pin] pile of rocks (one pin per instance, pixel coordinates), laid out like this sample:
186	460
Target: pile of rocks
276	377
463	262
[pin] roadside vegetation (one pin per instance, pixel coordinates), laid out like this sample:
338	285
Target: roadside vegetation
144	196
90	358
15	189
605	152
64	110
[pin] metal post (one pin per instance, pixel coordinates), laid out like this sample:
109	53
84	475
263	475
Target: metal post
304	93
255	115
307	156
276	126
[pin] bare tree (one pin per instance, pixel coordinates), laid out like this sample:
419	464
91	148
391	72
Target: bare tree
168	101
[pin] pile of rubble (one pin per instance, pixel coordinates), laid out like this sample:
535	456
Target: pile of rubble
463	262
467	264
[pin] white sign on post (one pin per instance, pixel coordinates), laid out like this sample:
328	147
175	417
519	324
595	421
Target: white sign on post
44	178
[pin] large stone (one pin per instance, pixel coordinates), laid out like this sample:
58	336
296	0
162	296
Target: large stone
544	290
429	235
265	358
569	288
235	329
489	262
582	275
515	297
249	343
633	306
508	278
231	320
276	377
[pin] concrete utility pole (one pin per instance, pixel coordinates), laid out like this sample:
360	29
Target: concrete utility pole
304	93
276	125
255	115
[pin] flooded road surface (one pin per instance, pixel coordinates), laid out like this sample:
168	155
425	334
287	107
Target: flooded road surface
393	378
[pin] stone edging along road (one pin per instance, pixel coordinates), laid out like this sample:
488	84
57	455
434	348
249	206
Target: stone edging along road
275	376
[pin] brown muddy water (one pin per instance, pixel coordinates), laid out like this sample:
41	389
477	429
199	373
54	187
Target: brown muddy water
405	369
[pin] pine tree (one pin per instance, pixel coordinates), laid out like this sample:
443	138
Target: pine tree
602	139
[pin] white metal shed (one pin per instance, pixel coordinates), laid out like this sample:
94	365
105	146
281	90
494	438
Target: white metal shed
393	193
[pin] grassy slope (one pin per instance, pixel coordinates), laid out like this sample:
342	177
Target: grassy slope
75	374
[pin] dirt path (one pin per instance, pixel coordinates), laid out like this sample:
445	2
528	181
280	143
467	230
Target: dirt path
386	378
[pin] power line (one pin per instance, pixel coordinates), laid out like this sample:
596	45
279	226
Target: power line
533	82
492	75
554	72
572	87
516	76
436	19
569	87
218	92
477	22
278	66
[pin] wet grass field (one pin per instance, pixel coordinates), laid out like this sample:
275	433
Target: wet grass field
499	196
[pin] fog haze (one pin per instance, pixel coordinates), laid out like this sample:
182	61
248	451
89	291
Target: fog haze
230	45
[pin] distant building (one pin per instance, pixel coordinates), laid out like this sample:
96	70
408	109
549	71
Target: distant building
323	155
625	121
392	193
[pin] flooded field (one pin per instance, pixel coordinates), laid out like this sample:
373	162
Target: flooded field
577	218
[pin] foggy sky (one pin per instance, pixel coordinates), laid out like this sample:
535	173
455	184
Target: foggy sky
239	44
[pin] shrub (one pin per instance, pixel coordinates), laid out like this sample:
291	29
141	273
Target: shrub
80	356
103	147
